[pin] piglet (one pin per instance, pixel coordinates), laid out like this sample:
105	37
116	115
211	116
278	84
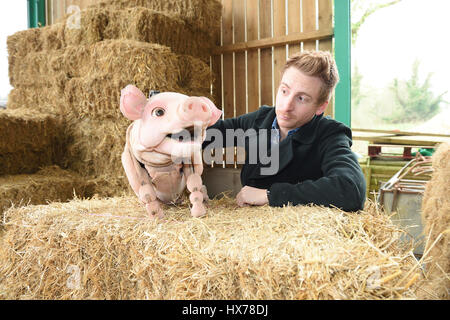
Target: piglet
163	152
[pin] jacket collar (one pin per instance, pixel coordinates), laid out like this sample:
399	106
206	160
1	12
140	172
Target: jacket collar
305	134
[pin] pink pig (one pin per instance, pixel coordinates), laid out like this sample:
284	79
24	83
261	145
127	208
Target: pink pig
163	152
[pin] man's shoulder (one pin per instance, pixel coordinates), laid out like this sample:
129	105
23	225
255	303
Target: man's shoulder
328	126
262	111
262	114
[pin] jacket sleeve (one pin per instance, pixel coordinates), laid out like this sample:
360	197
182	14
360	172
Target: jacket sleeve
342	185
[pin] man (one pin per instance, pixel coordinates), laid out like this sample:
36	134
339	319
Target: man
315	162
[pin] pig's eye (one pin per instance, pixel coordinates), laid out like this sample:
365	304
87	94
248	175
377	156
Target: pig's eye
158	112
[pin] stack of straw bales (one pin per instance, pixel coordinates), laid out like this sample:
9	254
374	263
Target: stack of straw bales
67	79
29	139
49	183
101	249
203	15
436	221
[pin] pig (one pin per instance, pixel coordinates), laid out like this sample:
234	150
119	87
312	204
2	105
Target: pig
163	153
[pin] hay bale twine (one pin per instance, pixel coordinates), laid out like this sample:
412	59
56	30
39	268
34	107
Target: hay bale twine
108	249
436	221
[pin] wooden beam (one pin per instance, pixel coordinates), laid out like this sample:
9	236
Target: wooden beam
401	133
276	41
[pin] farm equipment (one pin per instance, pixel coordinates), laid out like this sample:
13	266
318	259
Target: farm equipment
402	198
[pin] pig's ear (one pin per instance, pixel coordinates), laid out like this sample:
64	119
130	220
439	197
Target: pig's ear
216	114
132	102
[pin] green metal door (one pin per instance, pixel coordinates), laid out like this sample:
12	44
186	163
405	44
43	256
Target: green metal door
36	13
342	52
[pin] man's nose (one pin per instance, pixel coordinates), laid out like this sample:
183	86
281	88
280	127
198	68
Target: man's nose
288	103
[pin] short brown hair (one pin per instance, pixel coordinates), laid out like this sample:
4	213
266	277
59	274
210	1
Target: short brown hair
319	64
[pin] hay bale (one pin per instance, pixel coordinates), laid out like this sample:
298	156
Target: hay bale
108	185
146	25
194	74
92	24
119	58
97	146
31	140
436	221
44	98
25	129
201	15
86	81
24	161
47	185
23	42
29	70
114	58
108	249
52	37
139	24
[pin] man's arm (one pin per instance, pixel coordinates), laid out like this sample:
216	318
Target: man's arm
343	184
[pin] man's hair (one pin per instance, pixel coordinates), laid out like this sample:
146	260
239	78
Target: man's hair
318	64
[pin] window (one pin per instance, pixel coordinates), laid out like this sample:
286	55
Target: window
13	18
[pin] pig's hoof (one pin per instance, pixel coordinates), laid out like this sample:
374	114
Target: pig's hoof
154	210
198	210
145	193
205	194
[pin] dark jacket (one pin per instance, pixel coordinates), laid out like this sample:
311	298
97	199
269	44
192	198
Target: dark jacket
316	164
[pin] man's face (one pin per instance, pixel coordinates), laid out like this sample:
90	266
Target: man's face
296	102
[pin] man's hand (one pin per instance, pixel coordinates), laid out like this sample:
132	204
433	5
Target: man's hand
253	196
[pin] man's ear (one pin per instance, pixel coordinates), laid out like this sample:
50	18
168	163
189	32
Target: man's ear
321	108
132	102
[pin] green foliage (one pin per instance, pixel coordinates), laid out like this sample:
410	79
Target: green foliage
357	94
362	9
414	100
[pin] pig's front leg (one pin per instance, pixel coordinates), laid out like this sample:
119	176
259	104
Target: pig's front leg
197	161
194	185
141	184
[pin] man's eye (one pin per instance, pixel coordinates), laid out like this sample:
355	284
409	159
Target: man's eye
158	112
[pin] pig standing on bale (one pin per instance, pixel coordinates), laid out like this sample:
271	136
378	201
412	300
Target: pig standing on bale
163	152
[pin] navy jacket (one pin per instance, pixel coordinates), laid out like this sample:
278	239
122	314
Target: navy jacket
315	164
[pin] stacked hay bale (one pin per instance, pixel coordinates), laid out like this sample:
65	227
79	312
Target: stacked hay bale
436	220
32	143
73	72
100	249
29	140
48	184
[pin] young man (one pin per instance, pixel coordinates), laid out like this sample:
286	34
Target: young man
314	160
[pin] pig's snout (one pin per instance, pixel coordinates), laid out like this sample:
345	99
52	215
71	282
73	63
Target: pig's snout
194	109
